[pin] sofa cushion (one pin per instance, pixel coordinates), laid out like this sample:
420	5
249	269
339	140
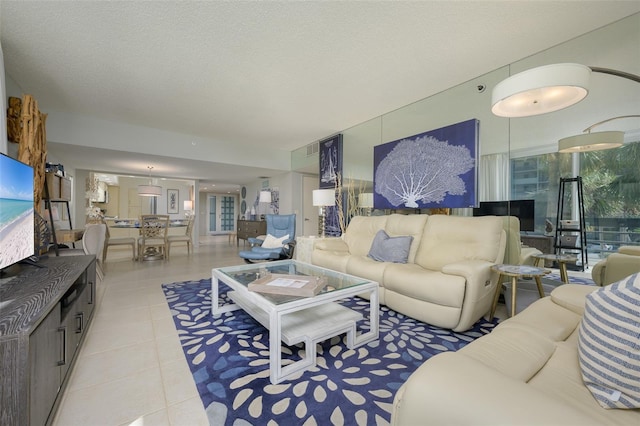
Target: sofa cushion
572	296
422	284
546	318
335	260
453	239
390	249
361	231
412	224
365	267
609	344
515	352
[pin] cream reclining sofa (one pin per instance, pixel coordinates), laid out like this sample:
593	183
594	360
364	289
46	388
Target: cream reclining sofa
447	280
624	262
525	372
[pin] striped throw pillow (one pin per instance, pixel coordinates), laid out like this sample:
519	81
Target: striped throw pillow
609	344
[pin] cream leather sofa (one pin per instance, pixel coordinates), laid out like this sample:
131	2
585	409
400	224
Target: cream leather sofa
525	372
516	253
447	279
616	266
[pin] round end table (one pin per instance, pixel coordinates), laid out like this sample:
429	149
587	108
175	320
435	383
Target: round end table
561	259
515	272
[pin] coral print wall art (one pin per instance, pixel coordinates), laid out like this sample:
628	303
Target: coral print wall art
435	169
330	156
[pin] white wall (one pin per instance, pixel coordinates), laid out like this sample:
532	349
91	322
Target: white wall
80	130
3	123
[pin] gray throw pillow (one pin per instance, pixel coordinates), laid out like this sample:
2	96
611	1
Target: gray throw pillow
390	249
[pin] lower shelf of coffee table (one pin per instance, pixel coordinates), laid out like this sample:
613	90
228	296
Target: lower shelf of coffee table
317	323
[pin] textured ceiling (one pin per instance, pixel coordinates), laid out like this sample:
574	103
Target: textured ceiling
280	74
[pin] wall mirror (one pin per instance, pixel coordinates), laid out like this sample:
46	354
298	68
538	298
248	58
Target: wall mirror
518	158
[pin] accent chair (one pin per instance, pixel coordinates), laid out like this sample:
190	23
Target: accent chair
279	243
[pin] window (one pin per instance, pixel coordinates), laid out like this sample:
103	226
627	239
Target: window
611	182
538	177
611	189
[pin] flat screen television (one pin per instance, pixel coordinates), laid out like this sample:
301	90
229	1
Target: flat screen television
16	211
522	209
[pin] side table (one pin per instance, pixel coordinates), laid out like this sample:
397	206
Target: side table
561	259
304	248
515	272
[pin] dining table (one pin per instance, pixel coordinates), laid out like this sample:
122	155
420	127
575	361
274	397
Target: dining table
151	253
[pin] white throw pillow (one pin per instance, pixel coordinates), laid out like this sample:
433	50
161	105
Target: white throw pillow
609	344
272	242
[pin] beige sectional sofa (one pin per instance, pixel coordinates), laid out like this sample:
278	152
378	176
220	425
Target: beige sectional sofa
525	372
446	281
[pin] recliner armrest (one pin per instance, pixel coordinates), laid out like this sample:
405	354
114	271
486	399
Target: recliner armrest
631	250
526	255
331	244
255	241
469	269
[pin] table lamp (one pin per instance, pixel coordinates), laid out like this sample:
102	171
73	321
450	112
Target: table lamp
323	198
265	198
365	202
188	208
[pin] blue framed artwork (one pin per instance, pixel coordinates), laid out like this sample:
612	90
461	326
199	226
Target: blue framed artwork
330	157
332	218
435	169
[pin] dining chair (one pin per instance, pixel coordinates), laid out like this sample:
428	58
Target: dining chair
152	242
119	241
186	238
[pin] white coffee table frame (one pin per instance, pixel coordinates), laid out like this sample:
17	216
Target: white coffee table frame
308	319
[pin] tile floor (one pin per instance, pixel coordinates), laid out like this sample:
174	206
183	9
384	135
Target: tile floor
131	369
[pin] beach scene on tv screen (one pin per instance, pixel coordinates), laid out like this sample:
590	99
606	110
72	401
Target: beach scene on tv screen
16	211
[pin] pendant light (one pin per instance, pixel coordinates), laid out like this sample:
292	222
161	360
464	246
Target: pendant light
546	89
149	190
595	141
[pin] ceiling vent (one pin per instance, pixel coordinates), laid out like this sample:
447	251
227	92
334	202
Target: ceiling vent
312	148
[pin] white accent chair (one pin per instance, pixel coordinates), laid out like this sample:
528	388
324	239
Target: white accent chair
93	240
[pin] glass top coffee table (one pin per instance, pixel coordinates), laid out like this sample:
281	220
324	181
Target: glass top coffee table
296	319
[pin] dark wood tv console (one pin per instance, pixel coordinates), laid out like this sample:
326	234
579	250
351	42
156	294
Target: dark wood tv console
44	315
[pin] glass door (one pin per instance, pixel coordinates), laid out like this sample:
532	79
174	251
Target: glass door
227	213
213	223
221	215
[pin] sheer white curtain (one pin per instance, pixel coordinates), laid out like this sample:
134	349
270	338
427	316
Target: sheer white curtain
494	177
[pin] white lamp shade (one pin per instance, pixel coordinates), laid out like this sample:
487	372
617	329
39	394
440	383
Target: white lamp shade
149	190
265	196
324	197
365	200
188	205
591	142
541	90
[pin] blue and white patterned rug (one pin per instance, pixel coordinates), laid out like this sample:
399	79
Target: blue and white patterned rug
229	359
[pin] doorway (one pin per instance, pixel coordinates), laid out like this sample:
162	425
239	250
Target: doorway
221	214
309	211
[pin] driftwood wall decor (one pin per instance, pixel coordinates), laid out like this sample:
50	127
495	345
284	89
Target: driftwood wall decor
32	139
13	119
